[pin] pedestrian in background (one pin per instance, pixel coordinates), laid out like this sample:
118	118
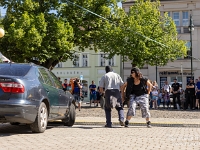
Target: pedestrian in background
197	106
93	94
59	80
176	94
154	97
138	89
190	94
113	84
182	98
77	92
65	85
166	99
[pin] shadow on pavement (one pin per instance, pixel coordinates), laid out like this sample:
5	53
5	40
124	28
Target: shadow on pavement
8	130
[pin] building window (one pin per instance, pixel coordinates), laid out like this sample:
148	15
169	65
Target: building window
185	18
59	65
176	18
76	60
85	60
102	60
188	44
111	62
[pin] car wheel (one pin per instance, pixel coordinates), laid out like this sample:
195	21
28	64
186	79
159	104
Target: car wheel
70	120
14	123
40	124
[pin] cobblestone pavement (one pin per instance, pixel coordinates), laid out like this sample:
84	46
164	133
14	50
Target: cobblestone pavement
89	133
89	137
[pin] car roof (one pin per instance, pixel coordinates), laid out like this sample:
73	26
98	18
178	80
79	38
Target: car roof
16	69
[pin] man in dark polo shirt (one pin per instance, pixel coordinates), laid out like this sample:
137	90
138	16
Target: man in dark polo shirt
190	94
176	93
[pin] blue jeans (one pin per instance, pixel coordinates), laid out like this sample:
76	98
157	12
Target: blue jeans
158	102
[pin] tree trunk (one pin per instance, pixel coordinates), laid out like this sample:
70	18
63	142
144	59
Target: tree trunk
133	64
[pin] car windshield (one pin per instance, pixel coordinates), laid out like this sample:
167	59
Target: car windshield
14	69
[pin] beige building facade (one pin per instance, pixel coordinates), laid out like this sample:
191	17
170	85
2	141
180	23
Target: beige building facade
180	11
88	65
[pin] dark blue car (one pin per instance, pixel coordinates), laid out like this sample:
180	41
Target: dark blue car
33	95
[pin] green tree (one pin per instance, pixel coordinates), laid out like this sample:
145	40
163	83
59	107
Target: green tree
34	34
45	32
88	25
143	36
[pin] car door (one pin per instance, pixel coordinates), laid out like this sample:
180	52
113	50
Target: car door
63	97
52	93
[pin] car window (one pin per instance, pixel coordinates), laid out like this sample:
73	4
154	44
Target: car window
40	76
45	77
56	81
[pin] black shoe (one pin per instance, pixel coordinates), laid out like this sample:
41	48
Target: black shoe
126	123
121	123
108	126
148	124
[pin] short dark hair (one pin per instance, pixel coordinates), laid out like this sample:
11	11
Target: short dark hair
108	69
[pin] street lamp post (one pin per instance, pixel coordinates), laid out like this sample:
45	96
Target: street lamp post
191	28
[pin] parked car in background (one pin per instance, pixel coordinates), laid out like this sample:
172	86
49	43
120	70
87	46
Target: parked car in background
33	95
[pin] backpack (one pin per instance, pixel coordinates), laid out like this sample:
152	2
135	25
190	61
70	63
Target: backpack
130	82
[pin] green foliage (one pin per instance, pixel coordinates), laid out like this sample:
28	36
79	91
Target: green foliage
45	32
34	34
132	37
87	26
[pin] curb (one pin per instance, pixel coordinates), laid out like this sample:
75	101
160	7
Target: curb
142	124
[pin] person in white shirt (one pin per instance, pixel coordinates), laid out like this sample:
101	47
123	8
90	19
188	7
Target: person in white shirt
154	97
113	84
166	87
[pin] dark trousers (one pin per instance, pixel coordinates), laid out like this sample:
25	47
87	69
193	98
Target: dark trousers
108	115
176	96
190	100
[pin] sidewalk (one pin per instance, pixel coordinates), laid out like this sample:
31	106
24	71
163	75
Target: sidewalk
162	122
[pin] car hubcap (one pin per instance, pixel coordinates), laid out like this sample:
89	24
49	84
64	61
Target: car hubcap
43	117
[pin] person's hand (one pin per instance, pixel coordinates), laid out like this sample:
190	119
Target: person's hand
123	99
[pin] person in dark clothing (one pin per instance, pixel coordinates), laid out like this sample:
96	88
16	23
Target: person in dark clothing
65	85
190	94
176	94
77	93
138	90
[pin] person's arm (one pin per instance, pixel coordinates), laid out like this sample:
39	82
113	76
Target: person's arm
123	87
170	89
101	85
149	85
192	86
179	89
79	85
94	88
101	90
